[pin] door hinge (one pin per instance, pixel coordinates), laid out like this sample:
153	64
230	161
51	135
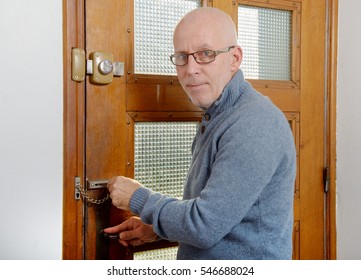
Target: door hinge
326	179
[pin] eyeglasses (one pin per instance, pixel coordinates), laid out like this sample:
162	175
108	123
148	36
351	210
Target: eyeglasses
201	57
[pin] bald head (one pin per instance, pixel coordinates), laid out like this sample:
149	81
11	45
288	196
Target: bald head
208	18
206	32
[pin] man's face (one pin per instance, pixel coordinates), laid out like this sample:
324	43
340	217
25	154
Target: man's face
203	83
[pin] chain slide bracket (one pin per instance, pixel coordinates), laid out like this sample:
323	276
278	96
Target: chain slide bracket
80	192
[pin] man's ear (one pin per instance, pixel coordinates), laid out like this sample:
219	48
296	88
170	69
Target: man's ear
237	58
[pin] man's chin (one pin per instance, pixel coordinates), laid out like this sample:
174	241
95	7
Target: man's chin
200	104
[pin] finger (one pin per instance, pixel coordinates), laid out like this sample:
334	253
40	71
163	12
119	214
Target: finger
124	243
112	181
129	235
112	229
136	242
118	228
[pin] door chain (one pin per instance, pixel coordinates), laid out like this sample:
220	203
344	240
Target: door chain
88	198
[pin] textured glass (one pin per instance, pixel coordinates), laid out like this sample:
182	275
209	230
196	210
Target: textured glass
162	152
265	37
162	155
154	22
159	254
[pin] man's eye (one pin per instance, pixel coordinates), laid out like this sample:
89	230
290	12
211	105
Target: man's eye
181	56
207	53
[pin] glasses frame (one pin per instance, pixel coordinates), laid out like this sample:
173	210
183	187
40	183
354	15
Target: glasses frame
224	50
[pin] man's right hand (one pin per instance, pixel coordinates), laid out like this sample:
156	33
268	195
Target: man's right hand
133	232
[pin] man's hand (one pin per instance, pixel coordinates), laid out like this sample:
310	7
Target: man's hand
121	190
133	232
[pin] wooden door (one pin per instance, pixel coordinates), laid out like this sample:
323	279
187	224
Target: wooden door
100	120
301	98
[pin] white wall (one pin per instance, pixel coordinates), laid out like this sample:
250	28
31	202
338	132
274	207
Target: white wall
349	131
31	111
31	130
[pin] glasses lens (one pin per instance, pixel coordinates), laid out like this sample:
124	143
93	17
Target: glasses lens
179	58
205	56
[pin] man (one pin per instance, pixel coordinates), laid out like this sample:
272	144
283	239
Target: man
238	194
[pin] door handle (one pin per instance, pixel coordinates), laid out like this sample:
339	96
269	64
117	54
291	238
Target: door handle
105	67
100	66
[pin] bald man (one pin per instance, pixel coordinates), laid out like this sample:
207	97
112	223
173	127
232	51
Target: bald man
238	194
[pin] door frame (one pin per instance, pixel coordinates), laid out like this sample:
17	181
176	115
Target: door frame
331	96
74	130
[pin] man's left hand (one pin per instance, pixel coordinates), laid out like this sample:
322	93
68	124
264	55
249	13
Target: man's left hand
121	190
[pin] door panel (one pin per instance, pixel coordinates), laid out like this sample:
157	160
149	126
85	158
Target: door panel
312	150
154	94
109	114
105	117
113	109
303	103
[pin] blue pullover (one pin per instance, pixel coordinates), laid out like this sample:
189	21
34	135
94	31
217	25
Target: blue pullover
238	194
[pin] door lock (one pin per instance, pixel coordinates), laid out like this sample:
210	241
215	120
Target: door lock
105	67
97	184
100	67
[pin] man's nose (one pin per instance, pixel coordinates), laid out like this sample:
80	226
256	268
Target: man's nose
192	65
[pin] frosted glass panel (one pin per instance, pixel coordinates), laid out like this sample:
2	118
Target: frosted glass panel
154	22
159	254
162	152
265	37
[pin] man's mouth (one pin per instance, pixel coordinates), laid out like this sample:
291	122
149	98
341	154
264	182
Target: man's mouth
194	86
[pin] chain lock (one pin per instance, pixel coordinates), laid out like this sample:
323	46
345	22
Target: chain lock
87	198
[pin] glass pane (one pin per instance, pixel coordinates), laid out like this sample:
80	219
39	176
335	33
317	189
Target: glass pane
159	254
154	22
162	153
265	37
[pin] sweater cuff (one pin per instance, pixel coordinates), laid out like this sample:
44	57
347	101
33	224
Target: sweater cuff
138	200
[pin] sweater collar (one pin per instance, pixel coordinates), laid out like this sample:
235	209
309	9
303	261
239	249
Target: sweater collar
230	94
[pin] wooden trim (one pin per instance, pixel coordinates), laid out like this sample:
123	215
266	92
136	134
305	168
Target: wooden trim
165	116
152	79
312	129
73	122
277	84
206	3
129	170
274	4
161	244
130	40
294	121
332	82
296	46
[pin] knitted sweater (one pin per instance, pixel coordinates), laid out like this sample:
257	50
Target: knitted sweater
238	194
